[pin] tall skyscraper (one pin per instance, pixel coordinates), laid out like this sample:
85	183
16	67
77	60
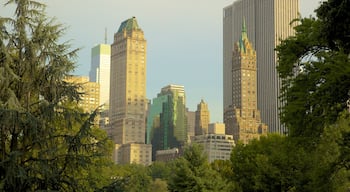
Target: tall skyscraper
268	21
202	118
128	94
100	70
167	119
242	118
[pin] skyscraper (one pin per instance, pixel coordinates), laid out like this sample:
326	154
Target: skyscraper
167	119
100	70
128	94
268	21
242	118
202	118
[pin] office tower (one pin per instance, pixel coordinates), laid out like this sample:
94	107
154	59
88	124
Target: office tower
191	122
90	99
100	70
167	122
268	21
216	144
242	118
100	73
202	118
127	107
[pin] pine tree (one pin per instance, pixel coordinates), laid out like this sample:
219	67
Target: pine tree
46	141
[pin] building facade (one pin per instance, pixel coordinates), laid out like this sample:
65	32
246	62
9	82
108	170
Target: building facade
128	103
91	90
268	21
216	144
100	71
167	119
242	118
202	118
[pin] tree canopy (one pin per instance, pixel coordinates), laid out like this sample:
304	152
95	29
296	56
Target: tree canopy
46	141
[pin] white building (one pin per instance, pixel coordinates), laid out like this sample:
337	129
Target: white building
100	70
216	144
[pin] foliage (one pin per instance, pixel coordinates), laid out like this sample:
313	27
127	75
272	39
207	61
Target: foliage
46	142
193	173
331	159
315	67
273	163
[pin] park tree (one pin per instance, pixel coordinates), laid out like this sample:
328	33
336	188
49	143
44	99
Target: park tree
46	142
272	163
193	173
314	65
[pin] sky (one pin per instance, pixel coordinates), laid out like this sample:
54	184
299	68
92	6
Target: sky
184	40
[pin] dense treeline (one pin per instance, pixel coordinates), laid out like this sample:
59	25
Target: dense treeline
48	144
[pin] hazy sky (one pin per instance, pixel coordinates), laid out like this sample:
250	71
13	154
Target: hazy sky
184	40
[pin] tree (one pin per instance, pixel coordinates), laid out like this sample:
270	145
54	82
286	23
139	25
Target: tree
331	159
46	141
315	67
193	173
272	163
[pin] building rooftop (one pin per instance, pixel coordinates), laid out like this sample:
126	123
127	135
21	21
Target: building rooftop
128	25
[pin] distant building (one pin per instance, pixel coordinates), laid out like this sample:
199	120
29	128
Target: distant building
216	145
167	119
268	22
242	118
168	154
202	118
191	121
91	91
133	153
127	107
100	70
100	73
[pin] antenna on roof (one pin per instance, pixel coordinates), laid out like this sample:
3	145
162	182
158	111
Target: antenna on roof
106	35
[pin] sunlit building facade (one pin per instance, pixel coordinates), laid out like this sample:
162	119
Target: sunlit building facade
242	118
127	109
268	21
202	118
216	144
91	90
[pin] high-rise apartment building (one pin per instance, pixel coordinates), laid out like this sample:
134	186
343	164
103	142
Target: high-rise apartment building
167	119
127	107
100	70
202	118
91	91
242	118
268	21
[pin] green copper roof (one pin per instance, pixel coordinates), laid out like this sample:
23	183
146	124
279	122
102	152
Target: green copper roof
128	25
244	36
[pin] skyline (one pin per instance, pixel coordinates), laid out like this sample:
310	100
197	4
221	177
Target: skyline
182	38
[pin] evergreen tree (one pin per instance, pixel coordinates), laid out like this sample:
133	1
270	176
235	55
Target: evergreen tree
46	142
193	173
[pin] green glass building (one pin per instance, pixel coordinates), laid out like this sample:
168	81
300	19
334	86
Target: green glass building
166	121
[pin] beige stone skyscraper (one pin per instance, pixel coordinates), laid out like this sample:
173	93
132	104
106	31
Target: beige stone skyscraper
242	118
202	118
268	21
128	94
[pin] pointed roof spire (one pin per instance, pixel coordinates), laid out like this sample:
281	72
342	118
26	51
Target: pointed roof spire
244	37
244	30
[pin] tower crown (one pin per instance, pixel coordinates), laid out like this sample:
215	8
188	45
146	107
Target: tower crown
129	24
244	37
